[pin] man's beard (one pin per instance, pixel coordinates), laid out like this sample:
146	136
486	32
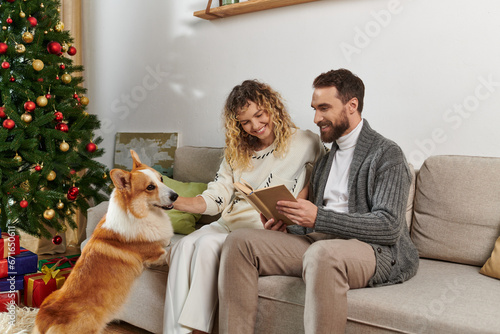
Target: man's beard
336	131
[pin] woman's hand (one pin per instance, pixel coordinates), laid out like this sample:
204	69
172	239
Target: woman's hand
190	204
272	225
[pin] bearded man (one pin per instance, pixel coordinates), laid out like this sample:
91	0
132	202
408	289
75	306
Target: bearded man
350	228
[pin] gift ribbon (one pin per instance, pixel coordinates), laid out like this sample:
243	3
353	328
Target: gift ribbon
50	272
61	260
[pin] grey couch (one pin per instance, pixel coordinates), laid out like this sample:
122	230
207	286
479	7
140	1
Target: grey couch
454	215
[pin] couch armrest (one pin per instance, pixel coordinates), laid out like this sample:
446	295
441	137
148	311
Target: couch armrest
94	216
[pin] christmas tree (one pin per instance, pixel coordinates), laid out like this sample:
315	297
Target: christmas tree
47	144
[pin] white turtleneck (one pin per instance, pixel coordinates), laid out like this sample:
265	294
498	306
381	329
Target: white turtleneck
336	195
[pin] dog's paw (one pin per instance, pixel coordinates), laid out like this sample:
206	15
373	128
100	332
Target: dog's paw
159	261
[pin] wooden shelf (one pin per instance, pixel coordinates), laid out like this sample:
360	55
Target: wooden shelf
244	7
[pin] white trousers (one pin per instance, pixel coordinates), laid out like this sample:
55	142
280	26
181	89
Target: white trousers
191	300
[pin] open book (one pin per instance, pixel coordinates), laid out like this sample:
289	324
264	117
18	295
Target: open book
264	200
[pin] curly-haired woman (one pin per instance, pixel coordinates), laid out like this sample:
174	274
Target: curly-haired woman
264	148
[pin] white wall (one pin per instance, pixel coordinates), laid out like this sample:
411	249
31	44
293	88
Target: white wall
431	68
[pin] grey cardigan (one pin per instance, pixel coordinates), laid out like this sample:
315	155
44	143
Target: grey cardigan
379	183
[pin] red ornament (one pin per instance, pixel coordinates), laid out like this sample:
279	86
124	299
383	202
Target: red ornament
72	172
75	96
3	48
9	124
72	51
2	112
29	106
57	77
54	48
57	240
62	66
62	127
73	193
32	21
48	96
5	65
38	168
11	0
40	79
12	79
23	203
9	20
91	147
58	116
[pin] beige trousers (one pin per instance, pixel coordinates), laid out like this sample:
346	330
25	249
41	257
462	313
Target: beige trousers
328	266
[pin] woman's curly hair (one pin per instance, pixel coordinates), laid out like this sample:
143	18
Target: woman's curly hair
240	146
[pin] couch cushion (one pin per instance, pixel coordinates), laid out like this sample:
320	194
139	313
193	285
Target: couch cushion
197	164
184	222
411	197
442	298
456	210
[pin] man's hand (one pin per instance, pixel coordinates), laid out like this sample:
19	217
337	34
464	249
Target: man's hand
272	225
302	212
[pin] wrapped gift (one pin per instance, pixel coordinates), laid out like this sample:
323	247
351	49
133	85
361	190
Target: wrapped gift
7	299
62	262
9	245
38	286
24	263
12	283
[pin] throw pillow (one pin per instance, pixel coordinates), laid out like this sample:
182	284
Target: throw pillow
492	266
184	222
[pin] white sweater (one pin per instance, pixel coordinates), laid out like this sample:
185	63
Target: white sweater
268	170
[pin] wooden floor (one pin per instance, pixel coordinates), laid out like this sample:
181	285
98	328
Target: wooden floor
124	328
115	327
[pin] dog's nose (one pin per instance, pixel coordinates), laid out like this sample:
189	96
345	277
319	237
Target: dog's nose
173	196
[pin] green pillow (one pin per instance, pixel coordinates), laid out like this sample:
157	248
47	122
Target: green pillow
184	222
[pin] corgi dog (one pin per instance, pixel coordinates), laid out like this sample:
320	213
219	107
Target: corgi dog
133	233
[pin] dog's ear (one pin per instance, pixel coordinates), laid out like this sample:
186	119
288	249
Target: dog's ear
120	178
137	162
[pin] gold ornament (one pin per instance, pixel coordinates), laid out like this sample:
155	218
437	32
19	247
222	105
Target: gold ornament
66	78
42	101
26	118
22	14
38	65
49	214
20	48
105	176
68	212
18	158
4	28
64	47
41	5
28	37
51	176
60	205
84	100
59	26
25	185
64	146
